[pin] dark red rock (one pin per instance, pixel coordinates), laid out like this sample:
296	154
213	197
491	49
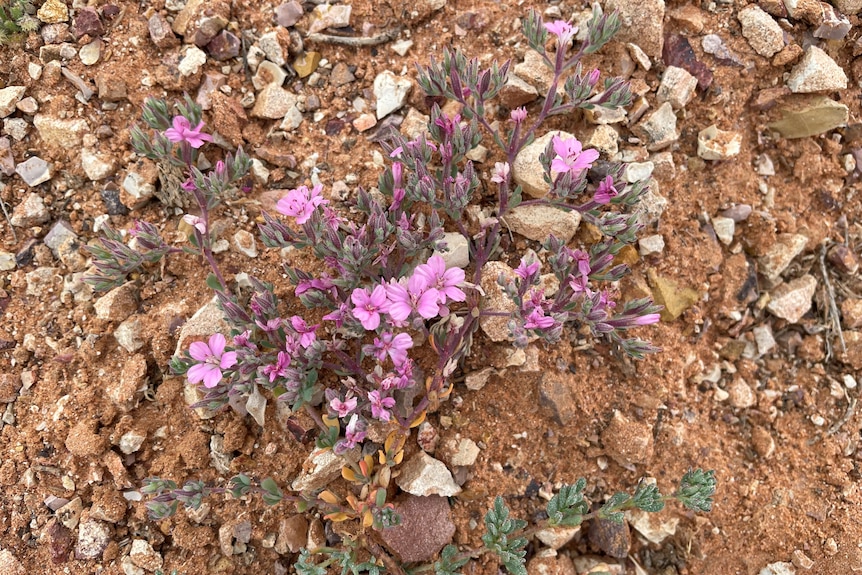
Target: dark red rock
677	52
110	11
224	46
59	542
426	527
87	22
161	33
288	13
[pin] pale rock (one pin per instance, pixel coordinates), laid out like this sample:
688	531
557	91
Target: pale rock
272	48
603	138
273	102
516	92
638	171
390	92
478	154
848	6
778	568
60	133
259	172
496	299
139	189
53	12
131	441
534	71
651	245
268	74
603	116
10	565
28	105
34	70
762	442
652	204
654	527
70	514
724	229
30	212
639	56
127	390
17	128
527	171
34	171
538	222
320	469
677	87
245	243
556	537
401	47
292	120
118	304
422	475
90	52
658	131
741	395
292	534
626	441
129	334
143	555
461	453
715	144
642	23
9	98
60	235
457	254
816	72
764	339
476	380
414	124
763	33
792	300
329	16
779	256
801	560
93	538
364	122
192	61
7	261
851	313
809	116
97	166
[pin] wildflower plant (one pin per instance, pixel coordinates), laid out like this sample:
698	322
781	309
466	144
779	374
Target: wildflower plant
353	360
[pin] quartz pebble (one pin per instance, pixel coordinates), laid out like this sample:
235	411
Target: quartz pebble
391	92
715	144
816	72
658	131
677	87
9	97
792	300
763	33
34	171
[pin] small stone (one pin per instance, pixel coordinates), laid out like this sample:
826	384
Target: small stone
161	33
426	527
118	304
641	23
41	281
271	45
30	212
273	102
651	245
851	313
97	166
457	254
627	442
816	72
192	61
143	555
783	251
245	243
7	160
555	392
605	139
390	92
224	46
87	22
9	564
268	74
17	128
423	475
612	538
7	261
792	300
741	395
131	441
60	133
556	537
801	560
34	171
778	568
659	130
364	122
288	14
70	514
764	339
111	88
677	87
476	380
724	229
319	469
763	33
668	294
654	527
834	26
534	71
844	259
806	117
90	52
53	12
292	533
129	334
9	98
762	442
126	391
496	328
306	63
715	144
341	75
401	47
329	16
516	92
538	222
462	453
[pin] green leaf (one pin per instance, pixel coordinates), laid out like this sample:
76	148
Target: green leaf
498	528
696	489
611	509
449	562
213	283
272	494
305	566
648	498
568	506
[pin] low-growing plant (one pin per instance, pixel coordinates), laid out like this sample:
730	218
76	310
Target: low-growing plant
385	289
17	18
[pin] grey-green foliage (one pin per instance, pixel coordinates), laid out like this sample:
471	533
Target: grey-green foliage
498	538
16	18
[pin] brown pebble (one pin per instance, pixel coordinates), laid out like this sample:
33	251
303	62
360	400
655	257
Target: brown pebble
612	538
628	441
762	441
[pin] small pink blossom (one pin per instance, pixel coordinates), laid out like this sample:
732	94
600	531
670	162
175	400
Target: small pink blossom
583	259
571	157
305	331
525	270
606	191
354	433
270	326
537	319
395	346
242	340
196	222
368	307
518	115
417	296
380	405
278	369
183	132
213	360
501	172
445	281
647	319
301	203
189	185
562	30
343	408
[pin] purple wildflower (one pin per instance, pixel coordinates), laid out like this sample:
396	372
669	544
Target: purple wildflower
380	405
301	203
182	131
583	259
395	346
196	222
353	434
277	369
525	270
571	157
606	191
562	30
305	331
501	172
518	115
343	408
445	281
417	296
368	307
213	358
537	319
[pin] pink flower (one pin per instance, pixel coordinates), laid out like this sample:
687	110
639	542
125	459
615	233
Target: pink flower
525	270
445	281
279	368
305	331
417	296
301	203
354	433
647	319
571	157
213	359
518	115
343	408
537	319
579	284
337	316
562	30
220	169
606	191
183	132
368	307
380	405
583	259
395	346
271	325
196	222
242	340
501	172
